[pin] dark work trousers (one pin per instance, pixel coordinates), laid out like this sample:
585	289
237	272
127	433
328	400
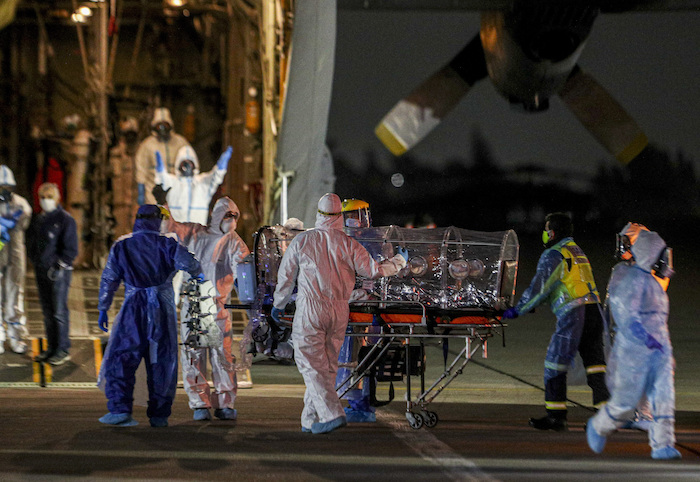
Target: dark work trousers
53	294
581	329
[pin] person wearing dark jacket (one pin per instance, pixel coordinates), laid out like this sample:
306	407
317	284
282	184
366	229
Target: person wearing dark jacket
52	245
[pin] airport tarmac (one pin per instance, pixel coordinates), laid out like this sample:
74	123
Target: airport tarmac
52	432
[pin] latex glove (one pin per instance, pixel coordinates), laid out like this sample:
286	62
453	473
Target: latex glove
103	321
403	252
510	313
160	167
200	277
642	335
141	199
10	221
653	344
160	194
222	163
276	314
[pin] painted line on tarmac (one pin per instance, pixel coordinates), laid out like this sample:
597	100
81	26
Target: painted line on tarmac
430	448
286	457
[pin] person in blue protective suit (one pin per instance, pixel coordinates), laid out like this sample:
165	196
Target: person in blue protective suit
564	279
146	326
626	238
642	352
219	249
52	245
323	263
356	214
15	215
189	191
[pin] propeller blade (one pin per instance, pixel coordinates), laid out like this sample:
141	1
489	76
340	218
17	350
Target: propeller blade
603	116
413	117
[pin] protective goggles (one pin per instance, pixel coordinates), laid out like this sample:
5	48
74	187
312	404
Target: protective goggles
230	215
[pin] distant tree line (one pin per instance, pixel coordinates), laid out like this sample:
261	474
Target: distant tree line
656	189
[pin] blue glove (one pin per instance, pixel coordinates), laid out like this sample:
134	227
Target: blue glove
222	163
160	167
276	314
7	223
200	277
141	199
4	234
103	320
653	344
403	252
510	314
10	221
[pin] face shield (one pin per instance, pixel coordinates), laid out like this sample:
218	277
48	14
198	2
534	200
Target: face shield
356	214
625	239
186	168
622	249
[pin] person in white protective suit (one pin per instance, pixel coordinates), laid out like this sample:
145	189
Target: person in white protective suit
323	263
219	249
167	142
15	215
642	352
189	192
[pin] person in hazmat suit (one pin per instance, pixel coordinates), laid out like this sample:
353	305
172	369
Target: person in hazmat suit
189	191
15	216
146	326
626	238
323	263
163	139
219	249
564	278
642	352
356	214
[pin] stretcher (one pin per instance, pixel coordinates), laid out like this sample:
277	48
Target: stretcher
454	287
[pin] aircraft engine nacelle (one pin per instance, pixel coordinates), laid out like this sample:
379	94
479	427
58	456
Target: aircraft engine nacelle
531	50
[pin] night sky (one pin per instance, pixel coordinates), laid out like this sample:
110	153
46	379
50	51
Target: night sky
650	62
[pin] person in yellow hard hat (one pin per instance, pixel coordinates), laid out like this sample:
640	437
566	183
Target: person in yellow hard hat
356	214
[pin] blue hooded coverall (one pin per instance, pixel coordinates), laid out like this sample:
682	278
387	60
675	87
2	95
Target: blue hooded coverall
146	326
642	352
564	279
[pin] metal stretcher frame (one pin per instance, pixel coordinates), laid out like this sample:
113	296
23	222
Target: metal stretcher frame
481	326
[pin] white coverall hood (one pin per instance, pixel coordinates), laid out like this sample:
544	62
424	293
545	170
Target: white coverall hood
162	114
7	178
329	215
186	152
647	249
222	206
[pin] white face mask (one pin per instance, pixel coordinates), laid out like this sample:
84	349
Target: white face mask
226	226
48	204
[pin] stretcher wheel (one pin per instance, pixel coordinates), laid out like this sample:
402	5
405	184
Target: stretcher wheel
430	419
415	420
